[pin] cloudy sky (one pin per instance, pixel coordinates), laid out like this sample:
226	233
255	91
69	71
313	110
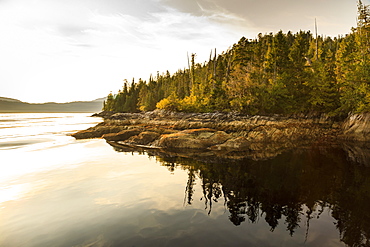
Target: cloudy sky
67	50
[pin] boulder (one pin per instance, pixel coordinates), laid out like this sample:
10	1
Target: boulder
217	138
144	138
180	140
234	144
193	139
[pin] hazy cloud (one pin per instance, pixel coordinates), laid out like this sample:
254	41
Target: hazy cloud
95	44
271	15
72	30
192	7
138	8
83	45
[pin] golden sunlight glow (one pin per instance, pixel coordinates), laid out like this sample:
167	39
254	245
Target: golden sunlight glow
13	192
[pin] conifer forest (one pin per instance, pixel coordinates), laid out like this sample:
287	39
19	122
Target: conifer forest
281	73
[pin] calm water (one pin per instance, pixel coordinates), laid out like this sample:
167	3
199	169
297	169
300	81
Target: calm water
57	191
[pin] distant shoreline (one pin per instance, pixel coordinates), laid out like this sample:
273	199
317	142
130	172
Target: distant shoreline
20	112
8	105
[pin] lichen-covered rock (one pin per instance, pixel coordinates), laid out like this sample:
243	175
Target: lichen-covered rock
357	127
144	138
218	131
257	136
180	140
199	132
234	144
103	114
193	139
218	137
122	135
97	131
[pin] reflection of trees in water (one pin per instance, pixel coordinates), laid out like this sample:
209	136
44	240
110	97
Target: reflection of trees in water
295	186
352	210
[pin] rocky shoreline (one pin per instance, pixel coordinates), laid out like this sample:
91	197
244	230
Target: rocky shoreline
259	136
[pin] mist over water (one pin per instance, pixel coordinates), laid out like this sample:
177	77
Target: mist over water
58	191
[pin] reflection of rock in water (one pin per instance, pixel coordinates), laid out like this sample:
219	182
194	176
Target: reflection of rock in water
358	153
289	188
256	151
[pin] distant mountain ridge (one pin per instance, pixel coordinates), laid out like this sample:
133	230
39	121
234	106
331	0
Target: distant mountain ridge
9	105
9	99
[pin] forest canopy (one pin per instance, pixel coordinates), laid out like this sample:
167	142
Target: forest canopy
282	73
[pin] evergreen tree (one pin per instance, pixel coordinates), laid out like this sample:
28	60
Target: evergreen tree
274	73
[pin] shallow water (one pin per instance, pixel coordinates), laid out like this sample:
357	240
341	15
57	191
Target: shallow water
58	191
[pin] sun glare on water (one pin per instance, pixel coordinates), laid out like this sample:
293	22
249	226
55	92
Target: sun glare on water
36	143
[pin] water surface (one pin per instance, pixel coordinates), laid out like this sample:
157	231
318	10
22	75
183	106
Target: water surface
58	191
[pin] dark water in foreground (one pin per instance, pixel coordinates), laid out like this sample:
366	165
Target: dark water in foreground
56	191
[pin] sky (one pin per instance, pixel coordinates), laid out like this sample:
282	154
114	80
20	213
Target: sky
75	50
